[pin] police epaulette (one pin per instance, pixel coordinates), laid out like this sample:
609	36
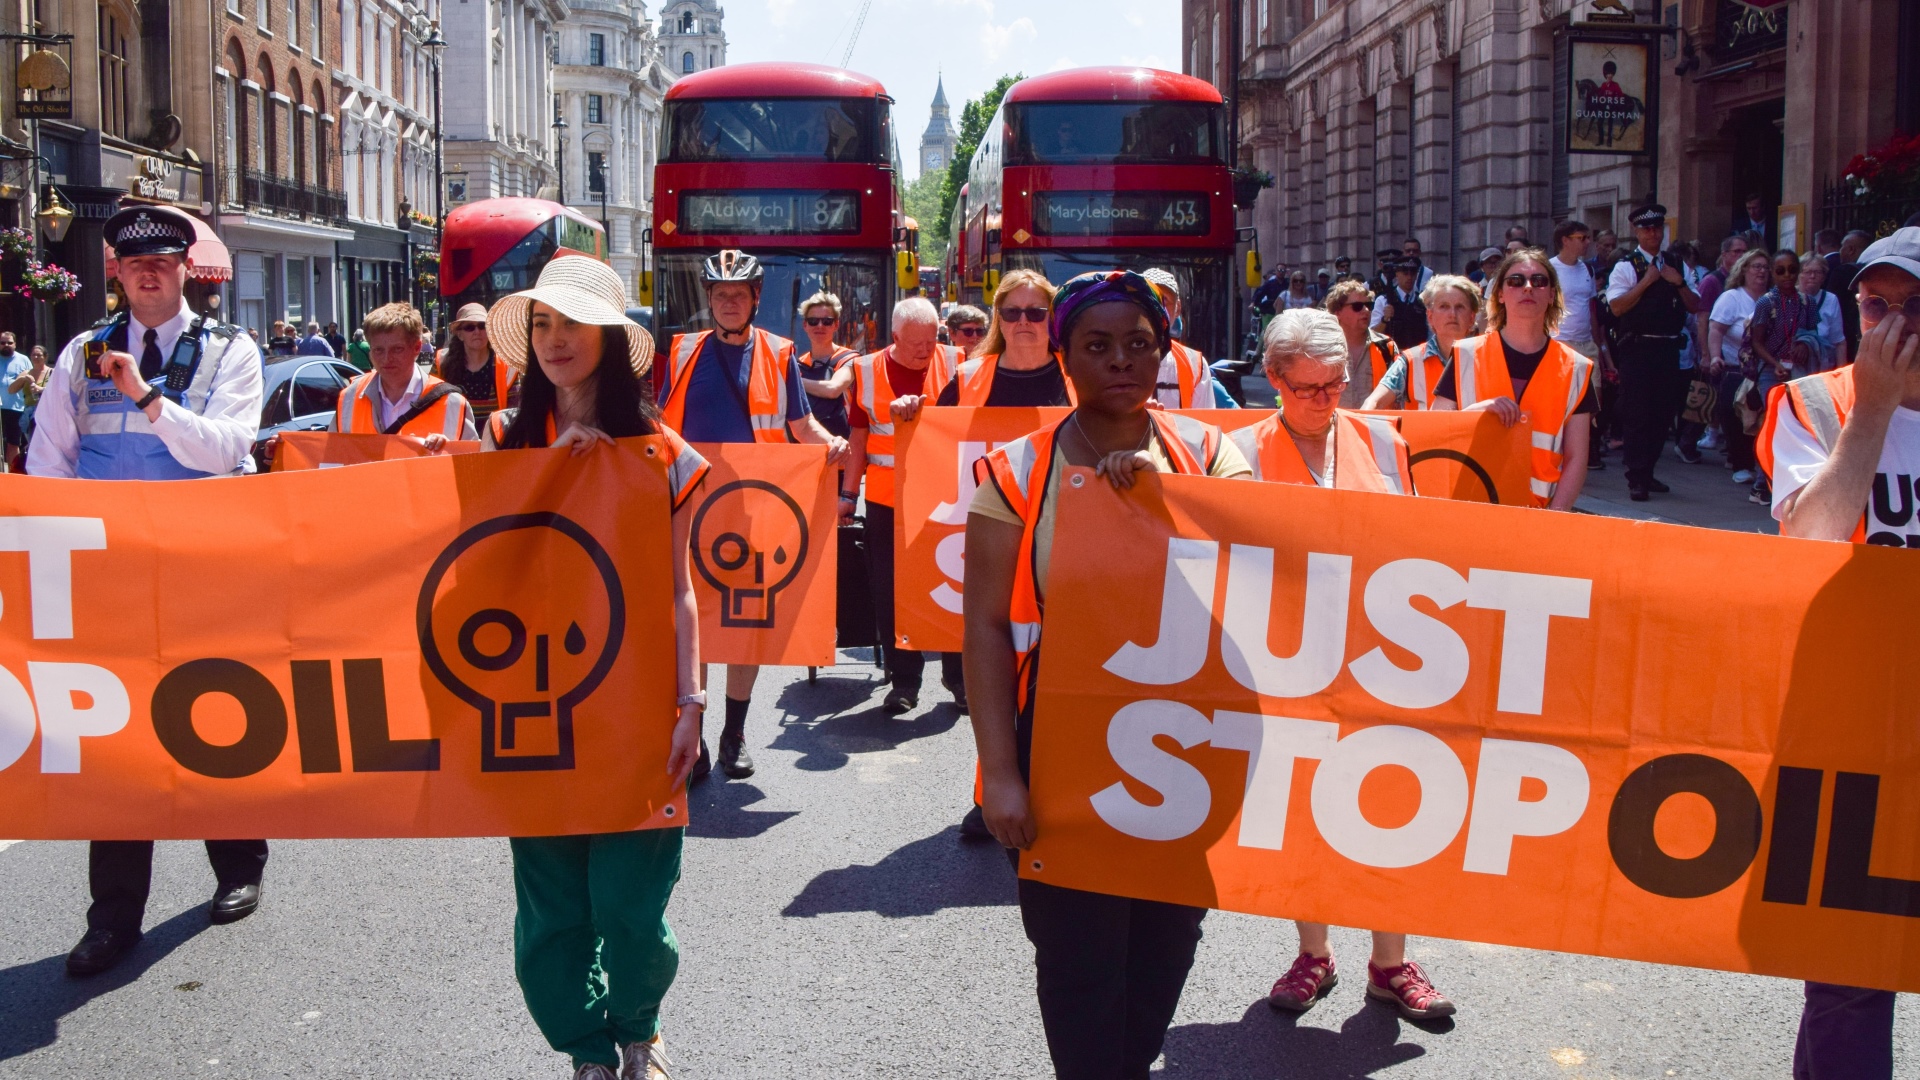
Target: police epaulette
104	321
220	329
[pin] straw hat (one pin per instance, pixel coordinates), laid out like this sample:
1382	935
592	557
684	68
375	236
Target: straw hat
583	289
470	313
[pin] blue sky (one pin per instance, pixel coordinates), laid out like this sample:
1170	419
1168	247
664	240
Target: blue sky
906	43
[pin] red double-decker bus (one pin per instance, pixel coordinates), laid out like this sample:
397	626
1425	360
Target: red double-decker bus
793	163
498	246
1098	168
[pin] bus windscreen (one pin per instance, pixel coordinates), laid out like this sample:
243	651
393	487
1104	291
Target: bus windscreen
1115	133
774	129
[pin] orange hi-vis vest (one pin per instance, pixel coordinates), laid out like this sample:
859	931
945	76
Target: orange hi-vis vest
1190	368
1821	403
874	393
1368	454
356	410
976	380
1021	471
1558	384
1423	374
940	369
1384	353
766	382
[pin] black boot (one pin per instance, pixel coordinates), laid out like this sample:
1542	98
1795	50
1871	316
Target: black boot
734	759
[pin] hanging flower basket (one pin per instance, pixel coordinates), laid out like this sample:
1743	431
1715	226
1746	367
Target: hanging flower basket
16	243
1248	183
48	284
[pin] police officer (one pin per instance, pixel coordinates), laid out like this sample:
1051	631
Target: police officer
174	396
1650	301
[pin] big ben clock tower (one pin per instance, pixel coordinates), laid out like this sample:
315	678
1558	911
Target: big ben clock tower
938	141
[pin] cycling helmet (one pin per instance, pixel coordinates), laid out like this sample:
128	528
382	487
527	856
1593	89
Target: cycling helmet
731	265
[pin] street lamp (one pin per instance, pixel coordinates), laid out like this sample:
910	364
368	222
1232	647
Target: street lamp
55	218
433	45
560	149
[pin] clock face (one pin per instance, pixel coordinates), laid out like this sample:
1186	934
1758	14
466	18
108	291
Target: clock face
933	159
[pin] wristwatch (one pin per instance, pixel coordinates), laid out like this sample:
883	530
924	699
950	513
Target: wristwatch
697	698
850	496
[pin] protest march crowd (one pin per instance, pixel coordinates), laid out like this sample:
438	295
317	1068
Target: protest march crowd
1815	410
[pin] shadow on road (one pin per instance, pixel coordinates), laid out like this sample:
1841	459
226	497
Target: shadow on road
34	997
921	878
1269	1045
717	810
815	721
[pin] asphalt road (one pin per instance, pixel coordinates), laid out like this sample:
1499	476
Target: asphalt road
832	924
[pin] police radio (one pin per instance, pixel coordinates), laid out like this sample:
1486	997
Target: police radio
94	351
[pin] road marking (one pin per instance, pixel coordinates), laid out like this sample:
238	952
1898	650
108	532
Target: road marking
5	844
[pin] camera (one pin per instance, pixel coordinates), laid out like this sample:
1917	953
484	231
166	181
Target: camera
94	352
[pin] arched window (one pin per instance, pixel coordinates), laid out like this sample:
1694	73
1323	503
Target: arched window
297	134
266	145
686	62
322	177
686	22
233	116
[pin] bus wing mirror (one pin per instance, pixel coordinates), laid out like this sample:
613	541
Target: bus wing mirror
1253	269
906	270
644	294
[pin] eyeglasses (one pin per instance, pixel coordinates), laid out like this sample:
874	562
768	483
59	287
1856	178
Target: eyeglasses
815	320
1030	314
1873	309
1317	391
969	331
1360	305
468	328
1521	281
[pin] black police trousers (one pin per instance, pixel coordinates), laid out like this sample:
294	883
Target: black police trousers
1649	386
120	872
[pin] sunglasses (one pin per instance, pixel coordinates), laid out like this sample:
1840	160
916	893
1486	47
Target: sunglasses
1360	305
815	320
1030	314
1521	281
1785	269
1311	393
1874	309
468	328
969	331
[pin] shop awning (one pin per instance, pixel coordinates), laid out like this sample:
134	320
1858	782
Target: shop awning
211	262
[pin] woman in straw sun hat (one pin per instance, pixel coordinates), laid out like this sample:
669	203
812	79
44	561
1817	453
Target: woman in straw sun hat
469	363
592	948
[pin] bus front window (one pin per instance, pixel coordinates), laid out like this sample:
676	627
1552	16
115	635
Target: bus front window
861	281
799	129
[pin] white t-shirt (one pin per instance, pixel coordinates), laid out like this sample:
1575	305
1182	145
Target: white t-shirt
1734	308
1798	457
1576	298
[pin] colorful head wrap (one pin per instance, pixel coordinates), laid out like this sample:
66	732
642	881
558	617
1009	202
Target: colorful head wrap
1106	287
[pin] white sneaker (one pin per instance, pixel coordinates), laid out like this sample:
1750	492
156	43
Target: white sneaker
1744	476
1709	441
644	1061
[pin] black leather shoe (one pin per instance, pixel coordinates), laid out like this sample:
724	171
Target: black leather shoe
1637	493
901	701
1657	487
701	767
231	903
959	697
974	825
734	759
99	950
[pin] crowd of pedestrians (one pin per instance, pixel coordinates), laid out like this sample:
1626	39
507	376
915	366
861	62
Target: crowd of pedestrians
1802	364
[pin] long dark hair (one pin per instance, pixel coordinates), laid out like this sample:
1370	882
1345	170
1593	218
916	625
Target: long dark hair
455	358
621	404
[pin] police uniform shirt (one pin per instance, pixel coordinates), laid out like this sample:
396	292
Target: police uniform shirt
217	440
1625	277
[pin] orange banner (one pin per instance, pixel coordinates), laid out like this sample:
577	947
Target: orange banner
1466	456
1422	716
936	452
328	449
765	555
454	646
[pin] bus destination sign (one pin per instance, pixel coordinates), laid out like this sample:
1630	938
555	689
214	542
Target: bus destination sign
768	212
1120	213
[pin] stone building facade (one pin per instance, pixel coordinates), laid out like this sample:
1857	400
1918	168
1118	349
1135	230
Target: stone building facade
1443	120
938	142
693	35
498	98
609	82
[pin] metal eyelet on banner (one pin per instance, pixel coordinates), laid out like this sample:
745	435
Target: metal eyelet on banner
1036	866
652	450
669	811
1078	479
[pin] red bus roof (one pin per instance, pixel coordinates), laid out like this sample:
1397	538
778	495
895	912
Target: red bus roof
1112	84
770	79
488	229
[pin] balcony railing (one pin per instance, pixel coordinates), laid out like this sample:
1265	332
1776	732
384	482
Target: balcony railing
284	195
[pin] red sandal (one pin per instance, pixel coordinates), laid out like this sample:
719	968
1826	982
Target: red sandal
1306	982
1415	997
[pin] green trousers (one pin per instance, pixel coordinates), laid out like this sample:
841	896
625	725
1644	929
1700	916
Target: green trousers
591	944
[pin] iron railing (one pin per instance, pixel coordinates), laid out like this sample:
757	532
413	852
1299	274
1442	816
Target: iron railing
287	196
1876	214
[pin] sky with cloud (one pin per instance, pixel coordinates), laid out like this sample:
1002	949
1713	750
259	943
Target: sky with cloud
906	44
